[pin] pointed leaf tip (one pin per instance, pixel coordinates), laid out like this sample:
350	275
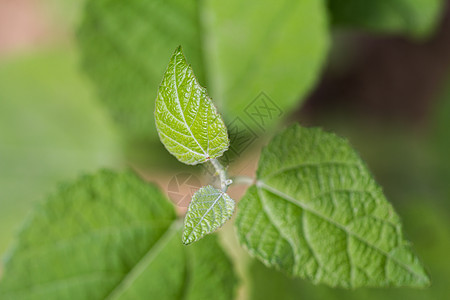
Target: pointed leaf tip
317	213
186	119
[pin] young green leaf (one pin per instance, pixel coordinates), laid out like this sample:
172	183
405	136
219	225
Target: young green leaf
186	119
124	49
209	209
112	236
236	50
317	213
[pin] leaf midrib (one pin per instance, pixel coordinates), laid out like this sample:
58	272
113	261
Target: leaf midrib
181	109
204	215
89	235
261	185
142	264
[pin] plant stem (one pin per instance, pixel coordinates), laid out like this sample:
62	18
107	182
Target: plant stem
224	181
243	180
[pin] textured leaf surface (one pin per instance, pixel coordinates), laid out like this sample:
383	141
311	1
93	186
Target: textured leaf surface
317	213
209	209
112	236
187	121
416	18
236	51
427	224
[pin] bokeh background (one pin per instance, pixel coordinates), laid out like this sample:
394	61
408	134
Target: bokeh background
387	92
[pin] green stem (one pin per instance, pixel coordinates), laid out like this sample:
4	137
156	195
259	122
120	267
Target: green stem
243	180
224	181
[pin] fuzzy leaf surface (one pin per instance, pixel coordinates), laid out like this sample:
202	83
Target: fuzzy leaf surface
317	213
187	121
112	236
209	209
235	50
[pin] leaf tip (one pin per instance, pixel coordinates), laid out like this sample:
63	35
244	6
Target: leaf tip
186	240
178	50
177	54
425	281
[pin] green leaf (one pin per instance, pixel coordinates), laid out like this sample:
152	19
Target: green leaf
209	209
430	227
187	121
275	47
112	236
416	18
236	50
317	213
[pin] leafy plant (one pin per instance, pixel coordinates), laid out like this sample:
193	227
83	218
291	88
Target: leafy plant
235	49
125	46
314	203
77	245
313	211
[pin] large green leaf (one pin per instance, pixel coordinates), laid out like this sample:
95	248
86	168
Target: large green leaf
416	18
275	47
429	226
187	121
112	236
317	213
209	209
237	51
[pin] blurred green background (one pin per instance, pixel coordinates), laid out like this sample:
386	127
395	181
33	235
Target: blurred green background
384	87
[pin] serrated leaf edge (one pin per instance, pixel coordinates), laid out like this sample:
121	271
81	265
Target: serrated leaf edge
260	185
206	155
221	194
